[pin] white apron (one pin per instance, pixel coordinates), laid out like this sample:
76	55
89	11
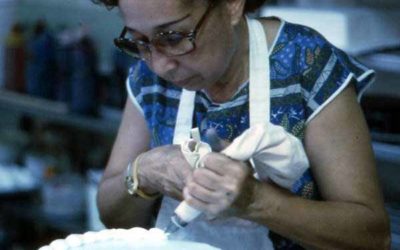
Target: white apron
231	233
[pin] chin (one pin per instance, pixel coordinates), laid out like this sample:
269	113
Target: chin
191	85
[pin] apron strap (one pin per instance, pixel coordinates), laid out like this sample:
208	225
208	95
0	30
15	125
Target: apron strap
259	89
184	117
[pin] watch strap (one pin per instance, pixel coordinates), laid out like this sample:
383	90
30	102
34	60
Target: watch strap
132	181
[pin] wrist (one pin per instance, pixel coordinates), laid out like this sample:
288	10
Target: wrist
144	183
261	201
132	181
246	198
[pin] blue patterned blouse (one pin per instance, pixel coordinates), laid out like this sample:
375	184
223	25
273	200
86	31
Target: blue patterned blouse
307	72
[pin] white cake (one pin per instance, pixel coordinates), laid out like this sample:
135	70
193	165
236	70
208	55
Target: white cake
132	239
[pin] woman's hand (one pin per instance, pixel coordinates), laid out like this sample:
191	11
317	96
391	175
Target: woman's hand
216	187
164	169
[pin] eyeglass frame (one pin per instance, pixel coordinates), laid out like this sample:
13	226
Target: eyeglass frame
191	36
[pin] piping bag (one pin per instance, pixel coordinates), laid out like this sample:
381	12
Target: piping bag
274	154
193	150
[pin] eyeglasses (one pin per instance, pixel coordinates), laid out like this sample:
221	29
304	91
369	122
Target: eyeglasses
170	43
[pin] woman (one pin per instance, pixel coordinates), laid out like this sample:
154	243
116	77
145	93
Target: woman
203	47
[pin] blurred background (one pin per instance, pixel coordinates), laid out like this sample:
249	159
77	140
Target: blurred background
62	89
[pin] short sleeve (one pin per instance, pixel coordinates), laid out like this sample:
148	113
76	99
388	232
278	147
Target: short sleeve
327	72
137	78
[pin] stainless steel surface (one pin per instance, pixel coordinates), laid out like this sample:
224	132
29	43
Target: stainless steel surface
381	104
388	165
387	67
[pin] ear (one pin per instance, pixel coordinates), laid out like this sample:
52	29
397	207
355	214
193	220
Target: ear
235	9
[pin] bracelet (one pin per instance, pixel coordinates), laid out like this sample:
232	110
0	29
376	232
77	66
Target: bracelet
132	182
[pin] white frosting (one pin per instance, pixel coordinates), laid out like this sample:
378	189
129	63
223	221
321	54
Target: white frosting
74	240
156	233
58	245
90	237
133	239
133	235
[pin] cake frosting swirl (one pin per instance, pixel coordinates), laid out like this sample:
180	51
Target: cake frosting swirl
134	238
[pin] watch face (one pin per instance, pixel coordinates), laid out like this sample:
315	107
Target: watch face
129	181
133	189
130	186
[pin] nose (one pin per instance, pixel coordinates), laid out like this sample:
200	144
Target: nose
161	64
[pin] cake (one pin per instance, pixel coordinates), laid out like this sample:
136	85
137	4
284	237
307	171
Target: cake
121	239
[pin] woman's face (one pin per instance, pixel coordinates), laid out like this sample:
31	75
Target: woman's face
215	44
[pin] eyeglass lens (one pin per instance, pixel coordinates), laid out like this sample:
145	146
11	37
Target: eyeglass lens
171	44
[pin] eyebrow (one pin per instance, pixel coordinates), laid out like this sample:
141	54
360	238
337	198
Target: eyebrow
164	25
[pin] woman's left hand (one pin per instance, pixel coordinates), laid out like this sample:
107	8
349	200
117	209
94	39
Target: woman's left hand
215	187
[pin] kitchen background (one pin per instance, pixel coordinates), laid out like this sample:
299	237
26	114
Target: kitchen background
62	91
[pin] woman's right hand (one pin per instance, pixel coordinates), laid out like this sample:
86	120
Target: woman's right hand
163	169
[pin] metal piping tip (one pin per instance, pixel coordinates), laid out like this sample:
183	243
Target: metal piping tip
174	225
171	228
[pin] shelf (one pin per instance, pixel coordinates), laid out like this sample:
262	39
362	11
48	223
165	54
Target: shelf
58	112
